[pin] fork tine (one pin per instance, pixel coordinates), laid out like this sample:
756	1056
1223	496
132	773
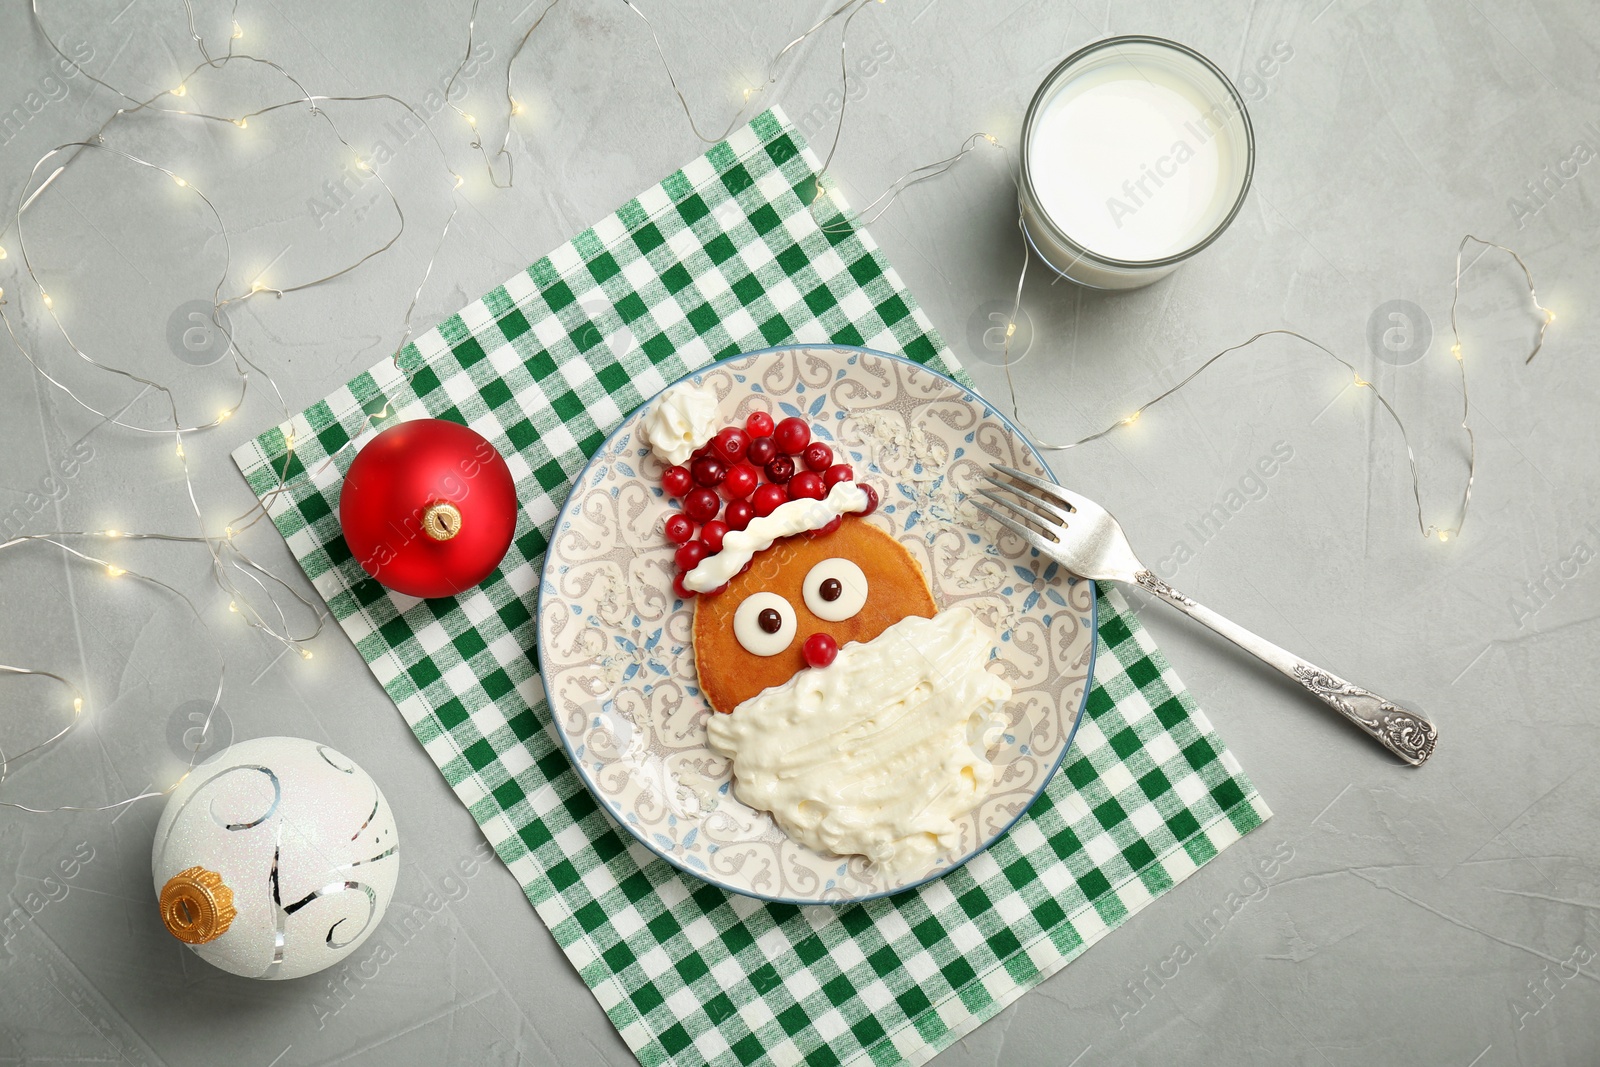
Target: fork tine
1049	488
1032	516
1047	547
1037	501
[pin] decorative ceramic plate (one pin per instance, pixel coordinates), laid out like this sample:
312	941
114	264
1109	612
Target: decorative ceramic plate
615	643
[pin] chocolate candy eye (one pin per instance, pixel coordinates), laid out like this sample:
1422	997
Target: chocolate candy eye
835	589
764	624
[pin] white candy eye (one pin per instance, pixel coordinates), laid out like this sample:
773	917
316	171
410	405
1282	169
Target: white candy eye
835	589
764	623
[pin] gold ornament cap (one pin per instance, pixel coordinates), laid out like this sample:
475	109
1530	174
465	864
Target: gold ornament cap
441	520
196	906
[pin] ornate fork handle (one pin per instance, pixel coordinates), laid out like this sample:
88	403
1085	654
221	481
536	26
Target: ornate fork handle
1406	733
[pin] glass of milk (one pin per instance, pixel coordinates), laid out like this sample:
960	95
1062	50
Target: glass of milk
1137	153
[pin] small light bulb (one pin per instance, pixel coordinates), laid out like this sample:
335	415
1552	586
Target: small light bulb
362	164
233	607
305	653
180	449
114	571
516	108
1361	382
2	251
181	183
241	123
1549	317
1444	535
470	120
181	90
77	705
256	286
460	181
228	532
1131	419
237	32
49	303
1011	329
113	533
988	136
222	416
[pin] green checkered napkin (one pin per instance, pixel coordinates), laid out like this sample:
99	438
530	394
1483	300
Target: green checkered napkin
720	258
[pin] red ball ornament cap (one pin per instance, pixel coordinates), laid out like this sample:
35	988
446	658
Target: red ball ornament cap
428	508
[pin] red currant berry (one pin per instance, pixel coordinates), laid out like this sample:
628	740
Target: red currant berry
828	527
761	451
818	456
819	650
683	592
780	470
739	514
679	529
741	481
729	444
702	505
691	554
712	533
708	471
759	424
767	499
805	485
792	435
676	481
839	472
872	497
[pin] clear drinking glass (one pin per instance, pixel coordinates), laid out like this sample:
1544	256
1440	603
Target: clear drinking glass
1137	153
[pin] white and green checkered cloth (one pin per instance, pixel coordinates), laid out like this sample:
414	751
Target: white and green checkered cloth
724	257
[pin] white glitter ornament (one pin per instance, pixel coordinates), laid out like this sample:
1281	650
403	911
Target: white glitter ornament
276	858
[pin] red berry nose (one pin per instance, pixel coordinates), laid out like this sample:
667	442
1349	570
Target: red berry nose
819	650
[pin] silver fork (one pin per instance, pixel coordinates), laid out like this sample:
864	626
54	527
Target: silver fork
1083	537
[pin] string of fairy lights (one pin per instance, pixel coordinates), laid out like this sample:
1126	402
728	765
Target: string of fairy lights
233	570
1428	530
247	584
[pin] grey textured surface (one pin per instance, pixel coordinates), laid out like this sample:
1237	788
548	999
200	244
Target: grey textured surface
1437	916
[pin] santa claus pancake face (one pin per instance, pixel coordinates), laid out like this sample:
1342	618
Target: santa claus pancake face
854	710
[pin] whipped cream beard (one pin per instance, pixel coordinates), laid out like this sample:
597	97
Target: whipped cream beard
881	753
679	421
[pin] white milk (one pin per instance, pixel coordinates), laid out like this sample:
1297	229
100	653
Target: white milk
1137	151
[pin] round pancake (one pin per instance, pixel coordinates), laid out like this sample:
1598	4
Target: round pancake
896	588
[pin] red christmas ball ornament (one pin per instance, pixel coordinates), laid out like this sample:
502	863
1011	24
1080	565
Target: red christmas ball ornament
428	508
